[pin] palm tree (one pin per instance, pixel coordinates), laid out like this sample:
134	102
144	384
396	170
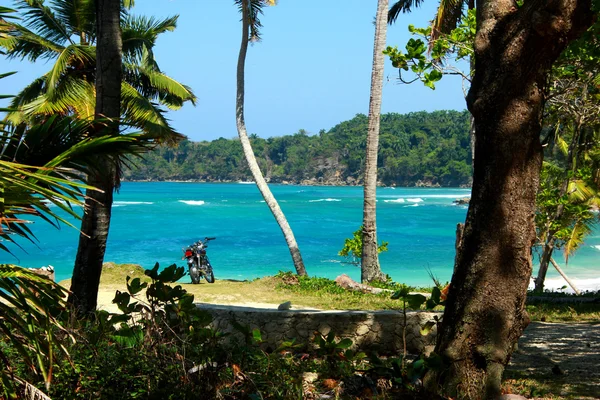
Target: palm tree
73	87
68	88
370	269
250	10
96	218
39	171
447	16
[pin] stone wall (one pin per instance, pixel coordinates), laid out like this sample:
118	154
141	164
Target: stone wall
381	331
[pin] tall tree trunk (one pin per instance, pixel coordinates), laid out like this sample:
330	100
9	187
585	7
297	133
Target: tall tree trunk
249	153
370	269
96	217
485	314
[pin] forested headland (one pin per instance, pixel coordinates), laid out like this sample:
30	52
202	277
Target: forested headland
415	149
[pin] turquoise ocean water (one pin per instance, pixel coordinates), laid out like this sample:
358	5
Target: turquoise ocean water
152	221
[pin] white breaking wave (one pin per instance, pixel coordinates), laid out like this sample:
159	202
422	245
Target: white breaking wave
444	196
580	283
192	202
394	201
412	205
415	200
246	183
126	203
315	201
597	247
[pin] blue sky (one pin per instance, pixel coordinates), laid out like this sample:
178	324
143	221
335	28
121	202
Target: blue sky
311	70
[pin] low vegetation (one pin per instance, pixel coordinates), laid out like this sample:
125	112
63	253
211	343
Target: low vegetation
155	344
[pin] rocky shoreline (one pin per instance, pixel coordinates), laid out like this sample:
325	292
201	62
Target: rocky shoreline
306	182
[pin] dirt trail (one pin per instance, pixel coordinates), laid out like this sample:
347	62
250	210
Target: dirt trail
566	354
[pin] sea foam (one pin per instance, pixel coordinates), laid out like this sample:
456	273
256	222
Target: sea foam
394	201
127	203
315	201
192	202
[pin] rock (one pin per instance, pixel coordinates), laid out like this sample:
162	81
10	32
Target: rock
511	397
285	306
310	377
46	272
346	282
462	201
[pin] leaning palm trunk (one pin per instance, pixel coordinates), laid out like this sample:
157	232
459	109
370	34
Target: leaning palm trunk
249	153
96	218
370	269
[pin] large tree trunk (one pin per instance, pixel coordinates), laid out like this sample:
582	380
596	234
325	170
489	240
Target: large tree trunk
485	315
249	153
370	269
96	217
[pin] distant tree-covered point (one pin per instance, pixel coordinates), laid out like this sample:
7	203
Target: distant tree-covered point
415	149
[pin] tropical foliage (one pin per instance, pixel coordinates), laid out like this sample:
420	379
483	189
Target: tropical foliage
416	148
353	247
64	32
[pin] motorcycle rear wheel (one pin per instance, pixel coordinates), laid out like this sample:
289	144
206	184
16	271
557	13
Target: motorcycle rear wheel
209	276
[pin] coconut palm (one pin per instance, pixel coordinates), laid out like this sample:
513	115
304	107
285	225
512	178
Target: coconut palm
250	10
447	16
370	269
40	169
65	32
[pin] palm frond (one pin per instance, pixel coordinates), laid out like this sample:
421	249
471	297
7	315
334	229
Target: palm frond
402	6
581	229
23	43
70	93
254	9
157	86
147	116
78	16
448	15
42	20
579	191
562	145
31	92
29	308
140	33
72	54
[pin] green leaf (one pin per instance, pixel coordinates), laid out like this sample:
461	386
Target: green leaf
415	301
256	335
400	294
425	329
344	344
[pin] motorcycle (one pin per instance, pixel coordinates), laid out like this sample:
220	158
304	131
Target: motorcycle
197	261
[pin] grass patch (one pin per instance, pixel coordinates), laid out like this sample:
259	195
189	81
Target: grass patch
561	312
324	293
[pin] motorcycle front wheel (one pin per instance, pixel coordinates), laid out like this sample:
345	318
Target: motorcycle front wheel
195	272
210	276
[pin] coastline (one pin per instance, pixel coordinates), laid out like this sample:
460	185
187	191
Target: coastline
305	182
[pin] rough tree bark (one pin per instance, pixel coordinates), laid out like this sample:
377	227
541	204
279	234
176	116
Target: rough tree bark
249	153
485	315
370	269
96	218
